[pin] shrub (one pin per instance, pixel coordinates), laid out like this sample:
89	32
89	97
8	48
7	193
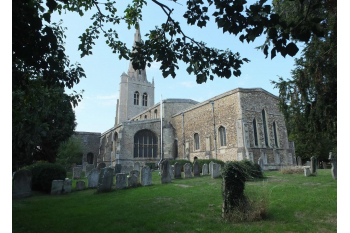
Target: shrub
44	173
253	169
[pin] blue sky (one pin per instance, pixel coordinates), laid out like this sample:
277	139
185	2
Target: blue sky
96	112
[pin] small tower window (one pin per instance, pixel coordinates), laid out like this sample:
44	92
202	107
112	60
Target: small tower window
155	113
275	134
145	116
255	133
196	141
144	99
136	98
265	128
222	132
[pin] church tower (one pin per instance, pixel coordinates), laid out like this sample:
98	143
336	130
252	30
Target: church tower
136	94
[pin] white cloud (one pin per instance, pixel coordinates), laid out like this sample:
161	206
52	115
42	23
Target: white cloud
188	84
107	97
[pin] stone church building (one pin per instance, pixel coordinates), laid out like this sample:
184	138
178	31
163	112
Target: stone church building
244	123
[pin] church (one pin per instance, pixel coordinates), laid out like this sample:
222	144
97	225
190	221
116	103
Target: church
244	123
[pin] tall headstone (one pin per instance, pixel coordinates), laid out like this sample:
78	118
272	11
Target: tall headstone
118	168
205	169
188	170
177	169
137	166
132	181
299	161
334	165
56	187
80	185
261	163
196	170
105	180
93	178
88	169
146	176
216	170
211	167
166	178
313	165
67	186
101	165
120	181
77	171
22	184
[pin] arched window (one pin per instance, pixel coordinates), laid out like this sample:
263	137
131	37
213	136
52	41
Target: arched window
145	116
115	136
155	113
222	133
144	99
145	144
136	98
90	158
265	128
255	130
275	134
196	141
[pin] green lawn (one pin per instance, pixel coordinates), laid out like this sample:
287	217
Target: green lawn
296	204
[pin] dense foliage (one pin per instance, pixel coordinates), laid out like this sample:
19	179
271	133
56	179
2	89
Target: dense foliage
69	152
44	173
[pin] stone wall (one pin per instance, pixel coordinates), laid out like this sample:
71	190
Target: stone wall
90	143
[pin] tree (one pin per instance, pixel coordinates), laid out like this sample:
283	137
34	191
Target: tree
69	152
309	99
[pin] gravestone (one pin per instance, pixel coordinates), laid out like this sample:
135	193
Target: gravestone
177	169
196	171
80	185
101	165
146	176
93	178
211	167
137	166
299	161
132	181
334	165
307	171
88	169
165	178
56	187
77	173
105	180
324	165
308	163
313	167
120	181
118	168
22	184
171	172
205	169
187	170
261	163
135	173
216	170
67	186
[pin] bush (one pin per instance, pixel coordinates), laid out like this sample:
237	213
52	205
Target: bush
44	173
253	169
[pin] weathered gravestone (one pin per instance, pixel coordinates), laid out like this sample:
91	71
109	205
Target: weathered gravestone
307	171
299	161
80	185
313	167
118	168
334	165
196	170
120	181
324	165
187	170
105	180
171	172
137	166
101	165
67	186
177	170
88	169
135	173
166	178
77	173
56	187
261	163
146	176
22	184
93	178
216	170
205	169
211	167
132	181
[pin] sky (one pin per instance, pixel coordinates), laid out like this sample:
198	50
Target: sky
96	112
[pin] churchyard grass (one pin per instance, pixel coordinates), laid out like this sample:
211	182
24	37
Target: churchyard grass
296	204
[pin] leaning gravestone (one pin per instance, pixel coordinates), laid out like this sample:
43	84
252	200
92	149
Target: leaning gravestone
211	167
80	185
22	184
118	168
93	178
205	169
334	165
313	166
56	187
105	180
187	170
77	173
132	181
196	171
137	166
146	176
67	186
101	165
166	178
120	181
177	170
216	170
88	169
299	161
307	171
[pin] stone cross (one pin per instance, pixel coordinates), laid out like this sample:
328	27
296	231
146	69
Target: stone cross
146	176
120	181
205	169
177	168
196	171
187	170
22	184
166	178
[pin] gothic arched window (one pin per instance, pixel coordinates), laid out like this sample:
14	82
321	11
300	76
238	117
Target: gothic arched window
155	113
222	133
265	128
196	141
275	134
90	158
255	133
144	99
145	144
136	98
